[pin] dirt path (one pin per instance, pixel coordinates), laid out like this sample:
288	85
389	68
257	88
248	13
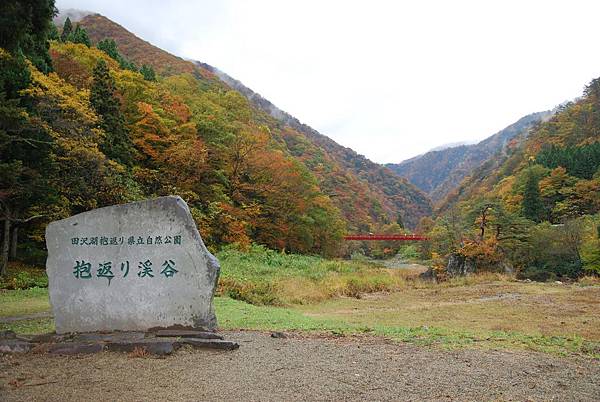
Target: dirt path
302	368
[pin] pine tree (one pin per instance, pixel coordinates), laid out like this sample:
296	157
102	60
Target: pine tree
67	30
533	208
117	144
24	29
80	36
53	32
109	46
148	72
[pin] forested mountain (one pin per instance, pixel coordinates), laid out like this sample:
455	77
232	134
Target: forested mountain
534	208
366	193
562	154
393	190
92	115
438	172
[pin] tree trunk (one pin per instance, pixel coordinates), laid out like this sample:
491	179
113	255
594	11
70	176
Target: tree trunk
5	246
14	239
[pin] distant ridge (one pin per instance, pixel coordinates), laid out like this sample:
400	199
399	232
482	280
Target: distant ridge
438	172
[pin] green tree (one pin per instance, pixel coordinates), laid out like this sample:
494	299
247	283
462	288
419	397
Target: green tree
24	157
14	75
148	72
109	46
24	28
399	221
67	30
117	144
532	205
53	32
80	36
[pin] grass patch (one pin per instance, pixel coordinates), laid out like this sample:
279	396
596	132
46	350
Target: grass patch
22	302
30	327
266	277
234	314
267	290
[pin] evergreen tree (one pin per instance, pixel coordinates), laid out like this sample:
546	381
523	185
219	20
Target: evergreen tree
109	46
533	208
148	72
67	30
80	36
399	221
53	32
117	144
24	154
24	28
14	75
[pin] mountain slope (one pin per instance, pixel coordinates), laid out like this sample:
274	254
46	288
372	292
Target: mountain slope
368	195
394	190
562	157
438	172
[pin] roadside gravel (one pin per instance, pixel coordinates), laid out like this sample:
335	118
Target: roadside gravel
302	367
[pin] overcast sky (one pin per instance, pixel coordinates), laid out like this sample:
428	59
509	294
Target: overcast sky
390	79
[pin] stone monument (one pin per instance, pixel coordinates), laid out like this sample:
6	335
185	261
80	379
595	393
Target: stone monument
130	267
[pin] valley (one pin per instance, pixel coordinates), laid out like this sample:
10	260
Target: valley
492	292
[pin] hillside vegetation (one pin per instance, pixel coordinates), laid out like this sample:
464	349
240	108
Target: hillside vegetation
92	116
439	172
367	194
535	208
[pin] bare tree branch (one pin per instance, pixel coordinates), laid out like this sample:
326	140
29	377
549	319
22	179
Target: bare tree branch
28	141
23	220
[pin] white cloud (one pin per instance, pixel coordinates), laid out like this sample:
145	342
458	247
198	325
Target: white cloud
389	79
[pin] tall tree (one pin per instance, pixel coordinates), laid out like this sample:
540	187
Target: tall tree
532	205
109	46
53	32
24	28
399	221
80	35
24	162
148	72
117	144
67	30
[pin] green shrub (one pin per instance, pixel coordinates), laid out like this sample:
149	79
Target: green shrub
265	277
23	280
560	269
537	274
21	276
409	252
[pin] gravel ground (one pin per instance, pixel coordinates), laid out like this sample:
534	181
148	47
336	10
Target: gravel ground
302	367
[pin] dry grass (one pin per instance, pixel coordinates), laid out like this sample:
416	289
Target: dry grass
589	281
289	290
138	353
478	311
477	306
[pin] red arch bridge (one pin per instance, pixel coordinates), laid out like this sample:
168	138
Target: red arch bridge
400	237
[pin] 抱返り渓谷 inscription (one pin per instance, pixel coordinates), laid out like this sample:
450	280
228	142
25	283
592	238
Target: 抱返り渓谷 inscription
130	267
